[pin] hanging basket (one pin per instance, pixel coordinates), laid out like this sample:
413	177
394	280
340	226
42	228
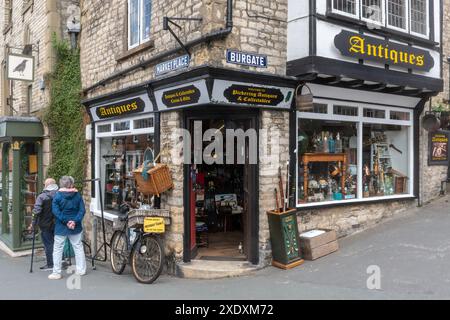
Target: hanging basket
159	180
304	102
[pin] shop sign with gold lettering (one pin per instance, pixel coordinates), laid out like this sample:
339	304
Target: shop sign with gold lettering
248	94
438	148
186	95
122	108
364	47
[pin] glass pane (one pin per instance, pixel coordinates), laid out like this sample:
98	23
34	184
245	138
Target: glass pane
348	6
345	110
146	18
118	158
385	160
6	191
133	16
397	13
28	181
372	9
327	160
374	113
122	126
104	128
398	115
143	123
419	16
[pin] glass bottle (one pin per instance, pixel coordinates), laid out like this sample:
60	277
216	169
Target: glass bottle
338	143
331	144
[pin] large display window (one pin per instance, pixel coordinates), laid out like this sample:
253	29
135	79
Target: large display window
121	147
353	152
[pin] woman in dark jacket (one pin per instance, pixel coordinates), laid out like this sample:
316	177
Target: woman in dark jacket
68	209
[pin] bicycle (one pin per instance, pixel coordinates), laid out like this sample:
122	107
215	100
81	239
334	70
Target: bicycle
145	253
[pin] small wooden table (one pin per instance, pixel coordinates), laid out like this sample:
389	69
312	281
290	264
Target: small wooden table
323	157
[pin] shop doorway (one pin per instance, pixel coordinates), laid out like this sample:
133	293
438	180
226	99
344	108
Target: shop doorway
222	197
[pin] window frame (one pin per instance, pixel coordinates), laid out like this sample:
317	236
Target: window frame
383	15
427	35
359	121
385	21
357	10
95	203
141	39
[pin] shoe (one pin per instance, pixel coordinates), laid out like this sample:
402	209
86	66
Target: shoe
80	273
55	276
46	268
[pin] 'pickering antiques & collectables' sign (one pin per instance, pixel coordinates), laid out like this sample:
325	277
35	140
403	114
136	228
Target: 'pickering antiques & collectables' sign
185	95
122	108
438	148
20	67
364	47
252	94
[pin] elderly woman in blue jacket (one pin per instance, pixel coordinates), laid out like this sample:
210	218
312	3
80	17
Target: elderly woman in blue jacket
68	209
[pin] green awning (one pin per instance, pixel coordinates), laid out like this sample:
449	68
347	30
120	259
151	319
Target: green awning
21	127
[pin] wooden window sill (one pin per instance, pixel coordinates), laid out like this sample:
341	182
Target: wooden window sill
129	53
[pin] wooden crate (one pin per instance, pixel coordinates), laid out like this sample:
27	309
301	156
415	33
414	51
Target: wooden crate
319	246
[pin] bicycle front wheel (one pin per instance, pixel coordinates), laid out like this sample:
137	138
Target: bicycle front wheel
147	259
119	252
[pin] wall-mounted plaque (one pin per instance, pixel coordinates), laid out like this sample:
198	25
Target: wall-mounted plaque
186	95
438	148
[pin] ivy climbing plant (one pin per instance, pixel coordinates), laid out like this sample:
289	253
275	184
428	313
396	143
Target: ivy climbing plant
64	115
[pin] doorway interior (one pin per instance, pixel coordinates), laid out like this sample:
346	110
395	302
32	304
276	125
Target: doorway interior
222	196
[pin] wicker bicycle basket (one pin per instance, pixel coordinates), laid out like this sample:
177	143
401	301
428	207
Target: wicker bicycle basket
159	180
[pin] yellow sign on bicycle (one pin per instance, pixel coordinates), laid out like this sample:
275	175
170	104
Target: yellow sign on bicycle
154	225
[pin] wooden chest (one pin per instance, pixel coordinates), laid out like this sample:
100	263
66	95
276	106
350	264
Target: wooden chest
314	247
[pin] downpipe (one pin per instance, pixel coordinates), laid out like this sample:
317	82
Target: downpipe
214	35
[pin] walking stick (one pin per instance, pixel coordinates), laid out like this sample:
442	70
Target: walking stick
32	247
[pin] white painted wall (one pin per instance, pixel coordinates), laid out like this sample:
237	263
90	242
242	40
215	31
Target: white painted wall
298	39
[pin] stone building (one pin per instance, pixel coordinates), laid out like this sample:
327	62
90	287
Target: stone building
150	68
26	28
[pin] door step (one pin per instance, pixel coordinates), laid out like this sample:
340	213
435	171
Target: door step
208	269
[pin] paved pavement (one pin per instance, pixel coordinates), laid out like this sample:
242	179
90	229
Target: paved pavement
412	252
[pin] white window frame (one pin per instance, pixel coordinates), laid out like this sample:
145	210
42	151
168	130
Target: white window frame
95	203
359	121
383	14
407	24
357	10
385	20
140	24
427	35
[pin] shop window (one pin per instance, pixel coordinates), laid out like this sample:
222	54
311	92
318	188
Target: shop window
340	160
139	22
345	110
143	123
122	126
385	160
374	113
320	108
398	115
118	158
328	160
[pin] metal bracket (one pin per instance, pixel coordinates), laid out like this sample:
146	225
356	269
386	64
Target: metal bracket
27	49
166	26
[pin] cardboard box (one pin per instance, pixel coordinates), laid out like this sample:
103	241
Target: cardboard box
319	246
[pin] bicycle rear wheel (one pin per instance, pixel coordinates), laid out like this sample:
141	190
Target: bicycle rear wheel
118	252
147	259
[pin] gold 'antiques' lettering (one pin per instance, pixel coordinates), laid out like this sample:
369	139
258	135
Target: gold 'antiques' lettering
118	110
254	95
359	45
